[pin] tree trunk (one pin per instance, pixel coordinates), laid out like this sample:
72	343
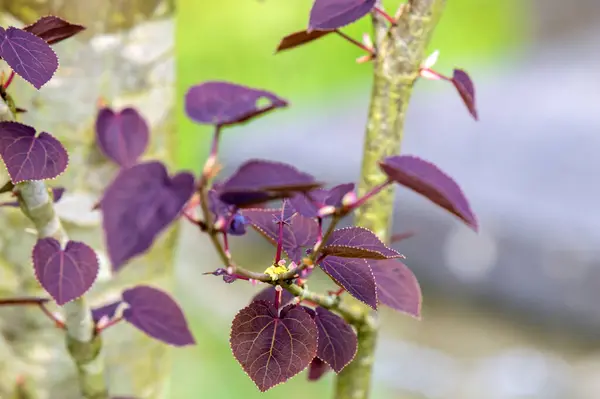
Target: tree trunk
125	56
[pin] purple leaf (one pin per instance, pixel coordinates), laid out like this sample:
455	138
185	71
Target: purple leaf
428	180
337	340
65	274
223	103
268	295
299	233
463	83
138	205
258	181
317	369
354	275
227	278
334	14
337	193
319	198
53	29
157	314
28	156
28	55
225	212
108	311
299	38
358	242
57	194
122	136
397	286
272	348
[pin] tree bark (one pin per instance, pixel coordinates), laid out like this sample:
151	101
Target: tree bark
399	53
125	56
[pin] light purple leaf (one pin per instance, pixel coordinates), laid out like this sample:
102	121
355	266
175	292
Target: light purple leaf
334	14
272	347
140	204
65	274
301	232
122	136
223	103
397	286
28	55
28	156
354	275
157	314
337	340
428	180
358	242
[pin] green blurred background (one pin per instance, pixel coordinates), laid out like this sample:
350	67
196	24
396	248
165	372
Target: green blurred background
234	40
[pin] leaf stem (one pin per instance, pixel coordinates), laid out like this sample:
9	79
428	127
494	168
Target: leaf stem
355	42
9	80
385	15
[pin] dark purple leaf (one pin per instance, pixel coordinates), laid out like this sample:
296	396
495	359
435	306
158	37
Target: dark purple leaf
28	156
358	242
428	180
53	29
401	236
122	136
138	205
108	311
65	274
268	295
228	278
57	194
157	314
317	369
258	181
272	348
337	340
308	204
223	103
299	38
334	14
397	286
463	83
337	193
28	55
354	275
299	233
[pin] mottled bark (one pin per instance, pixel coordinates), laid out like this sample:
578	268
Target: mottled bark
125	56
400	51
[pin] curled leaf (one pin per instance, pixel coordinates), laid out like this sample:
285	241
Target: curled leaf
465	87
223	103
428	180
299	38
53	29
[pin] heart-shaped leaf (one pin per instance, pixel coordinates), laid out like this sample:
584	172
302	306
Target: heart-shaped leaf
258	181
428	180
138	205
28	55
107	311
337	340
358	242
65	274
397	286
122	136
268	295
354	275
334	14
28	156
299	38
272	347
317	369
157	314
53	29
223	103
298	234
465	87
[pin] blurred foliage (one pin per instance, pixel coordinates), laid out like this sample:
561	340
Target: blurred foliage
235	40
